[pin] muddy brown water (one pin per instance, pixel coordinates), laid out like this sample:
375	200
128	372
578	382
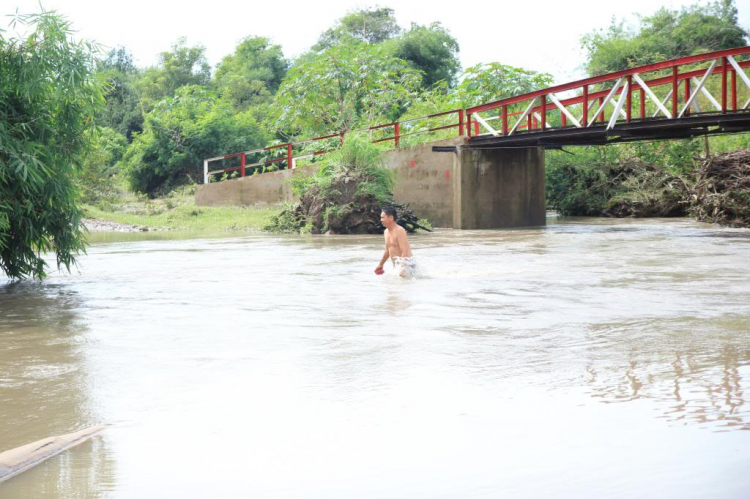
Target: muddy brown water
590	358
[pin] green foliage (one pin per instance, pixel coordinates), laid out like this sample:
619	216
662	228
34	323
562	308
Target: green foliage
49	95
478	84
287	221
640	179
342	87
177	211
123	111
252	74
372	25
579	183
493	81
97	182
182	66
356	158
180	132
667	34
343	196
430	49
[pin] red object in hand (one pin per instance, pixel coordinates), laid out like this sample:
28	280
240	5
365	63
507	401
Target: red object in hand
379	271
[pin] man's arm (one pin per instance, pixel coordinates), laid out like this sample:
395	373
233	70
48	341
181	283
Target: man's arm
386	254
383	260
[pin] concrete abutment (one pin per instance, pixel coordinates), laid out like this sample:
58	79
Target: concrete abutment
498	188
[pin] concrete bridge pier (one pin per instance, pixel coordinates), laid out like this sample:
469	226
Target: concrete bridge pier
498	188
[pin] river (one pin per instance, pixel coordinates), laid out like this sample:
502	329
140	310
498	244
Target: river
591	358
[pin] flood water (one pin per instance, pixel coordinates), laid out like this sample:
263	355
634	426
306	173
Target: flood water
591	358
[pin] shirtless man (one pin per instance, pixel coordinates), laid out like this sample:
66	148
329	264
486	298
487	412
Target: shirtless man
396	245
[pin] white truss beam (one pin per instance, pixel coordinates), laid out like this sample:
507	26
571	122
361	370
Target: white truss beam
485	125
524	115
708	95
663	103
739	70
694	94
741	74
618	107
622	111
606	101
562	108
651	95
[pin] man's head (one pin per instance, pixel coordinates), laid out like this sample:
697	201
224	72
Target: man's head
388	216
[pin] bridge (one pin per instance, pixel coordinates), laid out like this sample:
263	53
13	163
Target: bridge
498	167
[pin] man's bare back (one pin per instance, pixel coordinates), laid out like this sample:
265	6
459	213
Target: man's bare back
397	246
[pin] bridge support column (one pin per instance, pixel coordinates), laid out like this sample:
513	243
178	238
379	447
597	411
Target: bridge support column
497	188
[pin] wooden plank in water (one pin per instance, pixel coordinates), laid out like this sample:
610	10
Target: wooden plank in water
27	456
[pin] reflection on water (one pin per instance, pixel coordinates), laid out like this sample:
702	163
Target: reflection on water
591	358
43	389
706	389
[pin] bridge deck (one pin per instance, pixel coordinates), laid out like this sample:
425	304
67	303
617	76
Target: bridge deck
637	130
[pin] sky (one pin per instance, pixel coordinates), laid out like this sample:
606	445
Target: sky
543	35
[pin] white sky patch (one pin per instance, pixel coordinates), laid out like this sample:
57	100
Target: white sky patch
543	35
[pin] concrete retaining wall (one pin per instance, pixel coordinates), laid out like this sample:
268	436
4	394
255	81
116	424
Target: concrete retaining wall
254	190
425	182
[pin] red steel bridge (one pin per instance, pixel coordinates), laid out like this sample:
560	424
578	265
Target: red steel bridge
691	96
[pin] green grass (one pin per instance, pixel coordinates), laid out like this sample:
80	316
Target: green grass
179	212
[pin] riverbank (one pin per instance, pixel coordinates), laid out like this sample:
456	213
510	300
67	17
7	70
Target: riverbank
174	212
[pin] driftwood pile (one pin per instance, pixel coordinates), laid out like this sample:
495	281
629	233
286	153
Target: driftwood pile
721	193
645	190
342	208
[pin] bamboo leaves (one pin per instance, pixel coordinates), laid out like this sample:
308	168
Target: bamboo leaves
48	97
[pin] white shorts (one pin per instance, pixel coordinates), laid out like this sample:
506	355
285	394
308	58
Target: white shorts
405	266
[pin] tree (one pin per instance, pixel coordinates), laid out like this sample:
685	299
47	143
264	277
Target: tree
430	49
49	95
182	66
179	133
667	34
361	26
478	85
99	168
123	111
345	86
252	74
493	81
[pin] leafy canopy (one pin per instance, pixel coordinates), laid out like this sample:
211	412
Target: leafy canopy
123	111
492	81
252	74
477	85
179	133
343	87
49	95
373	25
430	49
99	168
667	34
183	65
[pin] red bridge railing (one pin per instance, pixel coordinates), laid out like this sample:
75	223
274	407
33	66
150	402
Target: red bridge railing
631	93
618	89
